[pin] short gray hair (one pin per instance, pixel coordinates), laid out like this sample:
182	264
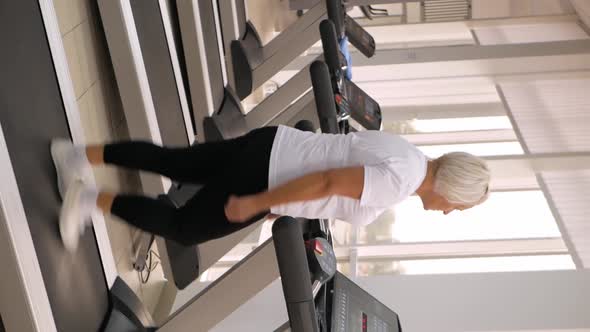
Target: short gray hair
462	178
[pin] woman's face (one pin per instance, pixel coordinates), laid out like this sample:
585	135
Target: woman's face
436	202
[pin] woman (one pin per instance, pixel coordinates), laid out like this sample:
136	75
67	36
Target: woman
271	170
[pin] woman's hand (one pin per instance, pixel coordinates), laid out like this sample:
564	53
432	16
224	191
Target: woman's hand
241	209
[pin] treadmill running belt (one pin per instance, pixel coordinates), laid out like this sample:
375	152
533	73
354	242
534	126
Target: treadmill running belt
31	114
156	56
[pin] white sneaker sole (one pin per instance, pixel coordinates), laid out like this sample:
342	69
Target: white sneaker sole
56	155
69	218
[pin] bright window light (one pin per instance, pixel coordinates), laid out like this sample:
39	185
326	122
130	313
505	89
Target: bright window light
466	265
462	124
478	149
506	215
488	264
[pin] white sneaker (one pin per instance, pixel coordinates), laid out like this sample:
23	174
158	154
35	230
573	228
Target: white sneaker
75	215
69	164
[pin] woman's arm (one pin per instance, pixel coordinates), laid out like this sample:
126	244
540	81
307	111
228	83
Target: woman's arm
347	182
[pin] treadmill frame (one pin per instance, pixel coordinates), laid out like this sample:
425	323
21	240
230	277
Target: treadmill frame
117	17
207	71
138	105
268	59
29	306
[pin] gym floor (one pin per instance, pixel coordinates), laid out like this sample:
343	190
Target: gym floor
103	118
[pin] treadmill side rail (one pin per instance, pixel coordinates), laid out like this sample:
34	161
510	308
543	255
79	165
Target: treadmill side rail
246	55
228	122
127	303
242	282
292	259
324	97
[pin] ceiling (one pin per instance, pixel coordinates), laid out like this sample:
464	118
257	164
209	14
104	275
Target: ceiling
551	117
582	8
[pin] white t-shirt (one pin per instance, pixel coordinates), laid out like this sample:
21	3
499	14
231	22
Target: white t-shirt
394	169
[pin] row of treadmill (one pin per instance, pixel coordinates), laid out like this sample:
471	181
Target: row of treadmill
192	63
183	68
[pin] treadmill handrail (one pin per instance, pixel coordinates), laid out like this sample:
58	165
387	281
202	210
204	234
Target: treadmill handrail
330	46
324	97
336	14
295	274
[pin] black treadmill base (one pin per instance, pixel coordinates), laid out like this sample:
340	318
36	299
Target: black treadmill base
31	115
246	55
228	122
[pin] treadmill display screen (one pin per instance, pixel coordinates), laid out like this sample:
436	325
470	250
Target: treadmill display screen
364	109
359	37
353	310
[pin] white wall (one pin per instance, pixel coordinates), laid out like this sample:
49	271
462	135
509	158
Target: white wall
530	33
519	301
264	312
417	35
487	302
516	8
186	295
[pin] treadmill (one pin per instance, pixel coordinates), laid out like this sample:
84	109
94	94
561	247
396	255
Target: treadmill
171	77
243	51
230	122
318	297
251	63
333	100
51	289
44	287
185	53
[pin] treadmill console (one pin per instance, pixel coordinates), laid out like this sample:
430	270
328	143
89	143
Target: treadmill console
353	309
359	37
364	109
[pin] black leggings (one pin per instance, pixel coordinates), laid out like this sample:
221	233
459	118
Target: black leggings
237	166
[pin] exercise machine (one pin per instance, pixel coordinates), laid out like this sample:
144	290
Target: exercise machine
51	289
44	287
175	40
318	297
207	74
171	77
294	101
350	100
230	122
260	267
251	63
172	81
149	74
